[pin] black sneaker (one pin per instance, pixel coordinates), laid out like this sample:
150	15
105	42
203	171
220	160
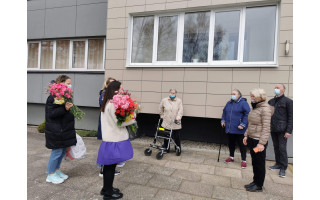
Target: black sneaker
116	172
115	190
282	173
249	185
254	188
274	167
113	196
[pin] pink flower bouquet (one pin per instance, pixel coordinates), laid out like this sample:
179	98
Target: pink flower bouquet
62	94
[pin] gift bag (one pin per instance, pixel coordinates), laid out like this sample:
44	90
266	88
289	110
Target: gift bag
76	152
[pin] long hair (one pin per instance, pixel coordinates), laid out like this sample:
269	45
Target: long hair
110	92
62	78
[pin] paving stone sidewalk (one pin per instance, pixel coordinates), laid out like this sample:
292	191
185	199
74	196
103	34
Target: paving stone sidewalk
195	175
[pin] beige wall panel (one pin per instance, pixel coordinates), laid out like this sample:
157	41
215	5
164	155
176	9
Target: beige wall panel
195	87
245	87
169	75
166	95
132	74
116	3
274	77
116	23
116	33
282	48
151	75
150	108
136	96
135	2
134	86
246	76
249	1
116	12
286	23
154	7
115	64
115	54
286	35
291	77
217	100
219	69
177	5
286	1
220	2
196	3
116	44
214	112
134	9
285	60
194	111
219	76
279	68
195	75
117	74
219	88
151	97
194	99
155	1
269	89
151	86
166	86
286	10
290	91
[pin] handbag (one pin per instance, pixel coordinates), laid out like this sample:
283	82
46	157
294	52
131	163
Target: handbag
77	151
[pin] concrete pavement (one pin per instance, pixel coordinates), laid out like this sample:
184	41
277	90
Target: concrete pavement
195	175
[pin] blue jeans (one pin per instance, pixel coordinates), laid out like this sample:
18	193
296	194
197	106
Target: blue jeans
55	159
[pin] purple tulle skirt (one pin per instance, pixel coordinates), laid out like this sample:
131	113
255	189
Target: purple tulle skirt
114	152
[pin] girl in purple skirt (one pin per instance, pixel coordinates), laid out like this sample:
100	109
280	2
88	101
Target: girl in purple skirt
116	146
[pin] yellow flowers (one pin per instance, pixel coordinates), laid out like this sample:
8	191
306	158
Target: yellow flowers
128	118
59	100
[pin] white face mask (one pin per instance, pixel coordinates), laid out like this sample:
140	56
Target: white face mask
70	86
253	100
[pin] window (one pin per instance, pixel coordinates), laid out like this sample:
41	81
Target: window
33	55
77	54
226	37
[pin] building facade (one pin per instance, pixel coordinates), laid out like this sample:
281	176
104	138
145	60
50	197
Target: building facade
202	48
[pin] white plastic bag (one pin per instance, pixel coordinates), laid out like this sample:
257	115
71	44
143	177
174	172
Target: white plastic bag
76	152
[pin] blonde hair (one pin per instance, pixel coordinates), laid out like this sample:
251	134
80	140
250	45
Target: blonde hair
259	93
106	82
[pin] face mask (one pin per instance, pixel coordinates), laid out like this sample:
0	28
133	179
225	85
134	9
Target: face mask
277	91
253	100
172	96
70	86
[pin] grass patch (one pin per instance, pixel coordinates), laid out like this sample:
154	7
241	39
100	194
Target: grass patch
87	133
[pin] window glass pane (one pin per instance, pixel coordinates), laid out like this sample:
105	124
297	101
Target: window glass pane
62	54
196	36
46	55
260	34
78	56
142	40
95	54
33	51
226	35
167	38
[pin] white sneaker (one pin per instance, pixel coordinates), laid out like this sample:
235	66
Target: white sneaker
54	178
121	164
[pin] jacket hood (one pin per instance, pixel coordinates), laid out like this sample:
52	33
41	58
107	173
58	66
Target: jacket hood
240	99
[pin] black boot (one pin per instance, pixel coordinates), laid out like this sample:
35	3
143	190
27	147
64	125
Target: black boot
249	185
115	190
112	196
254	188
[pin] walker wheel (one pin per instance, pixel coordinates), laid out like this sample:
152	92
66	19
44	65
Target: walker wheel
178	152
147	152
159	155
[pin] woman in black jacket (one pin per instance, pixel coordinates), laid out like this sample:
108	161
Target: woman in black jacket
60	133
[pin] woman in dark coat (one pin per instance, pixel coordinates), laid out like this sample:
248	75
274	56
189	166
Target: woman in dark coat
235	120
60	133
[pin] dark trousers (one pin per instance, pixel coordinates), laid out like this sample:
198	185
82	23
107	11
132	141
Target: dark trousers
258	162
108	177
232	140
176	137
280	149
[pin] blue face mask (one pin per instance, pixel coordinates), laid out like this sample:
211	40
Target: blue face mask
70	86
172	96
277	91
233	97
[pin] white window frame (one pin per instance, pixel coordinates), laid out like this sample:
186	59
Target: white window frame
70	55
211	63
39	54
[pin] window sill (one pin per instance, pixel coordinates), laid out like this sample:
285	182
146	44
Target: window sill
66	71
203	65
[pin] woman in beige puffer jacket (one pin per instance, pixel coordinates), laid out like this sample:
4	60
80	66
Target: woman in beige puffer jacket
257	136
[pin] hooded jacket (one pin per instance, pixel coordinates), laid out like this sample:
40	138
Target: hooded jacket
236	113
